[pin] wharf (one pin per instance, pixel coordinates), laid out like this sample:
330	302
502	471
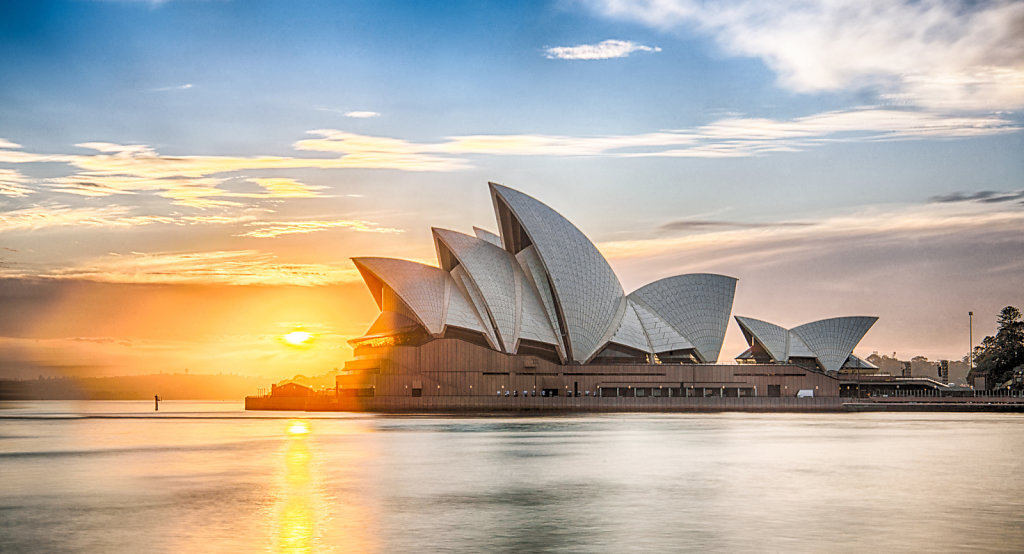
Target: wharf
557	405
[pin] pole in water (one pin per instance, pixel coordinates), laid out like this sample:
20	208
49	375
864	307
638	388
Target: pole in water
156	403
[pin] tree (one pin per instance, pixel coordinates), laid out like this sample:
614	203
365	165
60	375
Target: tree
999	355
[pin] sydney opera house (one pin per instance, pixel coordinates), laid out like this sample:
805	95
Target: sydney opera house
533	317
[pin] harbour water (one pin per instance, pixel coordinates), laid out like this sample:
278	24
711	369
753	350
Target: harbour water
210	477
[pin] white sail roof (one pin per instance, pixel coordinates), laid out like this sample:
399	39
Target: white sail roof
429	292
472	293
833	340
772	337
497	276
588	296
484	234
662	337
631	332
697	306
830	341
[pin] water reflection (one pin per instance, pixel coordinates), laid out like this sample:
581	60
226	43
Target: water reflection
297	516
709	482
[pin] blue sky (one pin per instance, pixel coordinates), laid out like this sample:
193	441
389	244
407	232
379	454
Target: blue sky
841	157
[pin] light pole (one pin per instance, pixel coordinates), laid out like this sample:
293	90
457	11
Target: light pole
970	353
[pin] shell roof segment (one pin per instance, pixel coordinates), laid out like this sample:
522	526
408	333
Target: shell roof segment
484	234
834	339
471	293
588	295
428	291
662	336
498	277
631	331
830	341
697	306
771	336
534	279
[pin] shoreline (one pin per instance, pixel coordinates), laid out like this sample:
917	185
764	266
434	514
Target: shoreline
560	405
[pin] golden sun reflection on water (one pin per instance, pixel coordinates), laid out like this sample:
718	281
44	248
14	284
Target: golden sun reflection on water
296	519
321	502
298	427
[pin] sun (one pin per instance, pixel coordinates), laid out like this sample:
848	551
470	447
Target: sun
298	338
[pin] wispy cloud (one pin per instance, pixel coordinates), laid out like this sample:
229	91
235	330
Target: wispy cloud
368	152
730	137
715	225
985	196
287	188
932	219
231	267
277	228
185	86
604	50
12	183
361	115
199	181
941	54
44	216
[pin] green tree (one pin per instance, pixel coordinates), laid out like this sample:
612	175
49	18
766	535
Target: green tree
999	355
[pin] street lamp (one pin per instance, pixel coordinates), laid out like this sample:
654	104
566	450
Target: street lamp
970	353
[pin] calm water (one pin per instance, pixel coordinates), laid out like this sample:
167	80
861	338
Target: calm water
209	477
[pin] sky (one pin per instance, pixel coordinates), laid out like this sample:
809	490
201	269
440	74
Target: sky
183	182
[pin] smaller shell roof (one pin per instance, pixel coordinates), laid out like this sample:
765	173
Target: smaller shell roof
834	339
428	291
771	336
696	305
831	341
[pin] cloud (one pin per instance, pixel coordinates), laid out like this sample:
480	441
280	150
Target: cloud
38	217
196	192
986	196
940	54
604	50
44	216
186	86
361	115
231	267
706	225
200	192
370	152
764	240
729	137
10	153
278	228
12	184
198	181
287	188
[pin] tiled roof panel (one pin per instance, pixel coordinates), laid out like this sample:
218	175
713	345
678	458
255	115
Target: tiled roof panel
697	306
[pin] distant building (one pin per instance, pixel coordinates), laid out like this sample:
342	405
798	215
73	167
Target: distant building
291	390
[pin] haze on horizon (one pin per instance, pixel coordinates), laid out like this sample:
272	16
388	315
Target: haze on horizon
182	183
